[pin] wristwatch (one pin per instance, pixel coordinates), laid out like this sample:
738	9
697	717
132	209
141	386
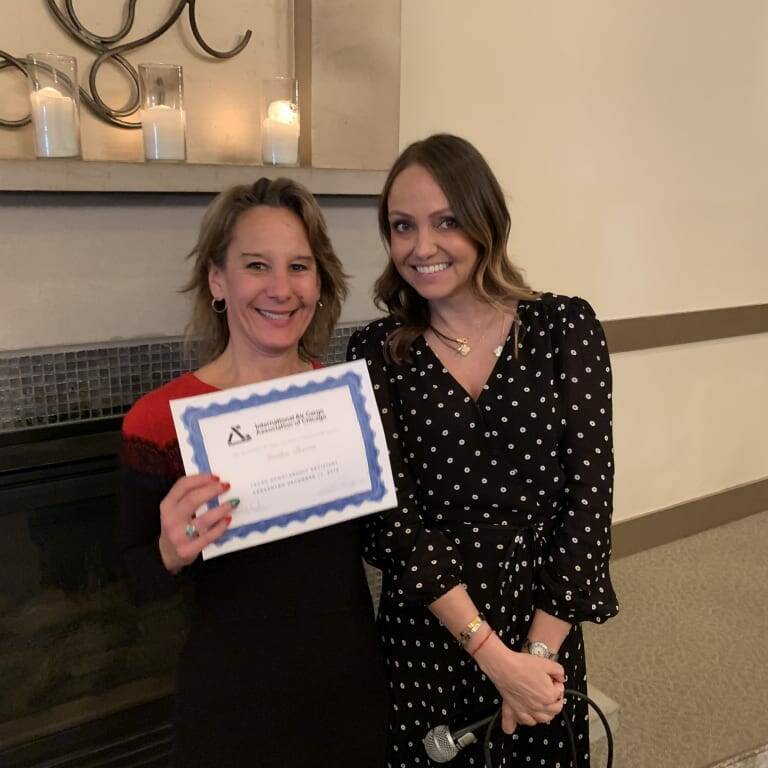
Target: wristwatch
537	648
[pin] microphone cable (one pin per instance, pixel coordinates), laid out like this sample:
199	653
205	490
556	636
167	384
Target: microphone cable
568	728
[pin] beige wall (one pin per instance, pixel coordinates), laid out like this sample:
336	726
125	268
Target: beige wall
631	139
689	421
68	281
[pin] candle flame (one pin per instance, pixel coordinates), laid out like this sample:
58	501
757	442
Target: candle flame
283	111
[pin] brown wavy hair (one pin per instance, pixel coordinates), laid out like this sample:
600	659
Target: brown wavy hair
211	329
478	204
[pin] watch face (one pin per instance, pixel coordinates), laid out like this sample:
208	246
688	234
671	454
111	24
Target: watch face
538	649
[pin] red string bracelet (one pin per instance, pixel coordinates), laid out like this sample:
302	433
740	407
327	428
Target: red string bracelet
480	644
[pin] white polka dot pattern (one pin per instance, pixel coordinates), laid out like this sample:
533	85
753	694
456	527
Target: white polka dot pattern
510	495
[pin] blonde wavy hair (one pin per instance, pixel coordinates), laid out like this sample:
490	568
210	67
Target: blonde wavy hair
211	329
478	204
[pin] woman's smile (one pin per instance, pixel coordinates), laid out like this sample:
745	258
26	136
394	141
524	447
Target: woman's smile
277	315
431	269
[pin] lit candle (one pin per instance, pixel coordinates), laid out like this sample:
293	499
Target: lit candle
280	134
55	121
164	133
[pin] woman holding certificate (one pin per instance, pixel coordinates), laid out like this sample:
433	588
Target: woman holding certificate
280	667
497	403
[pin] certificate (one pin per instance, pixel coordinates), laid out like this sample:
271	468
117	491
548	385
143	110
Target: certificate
300	452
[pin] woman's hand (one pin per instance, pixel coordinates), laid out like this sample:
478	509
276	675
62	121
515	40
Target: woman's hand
177	517
531	687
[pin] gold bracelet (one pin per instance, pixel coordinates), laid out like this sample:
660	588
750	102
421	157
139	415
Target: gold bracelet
468	632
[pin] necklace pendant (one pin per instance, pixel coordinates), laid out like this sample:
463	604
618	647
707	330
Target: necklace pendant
463	349
498	350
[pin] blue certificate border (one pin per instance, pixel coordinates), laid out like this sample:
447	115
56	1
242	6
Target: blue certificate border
192	416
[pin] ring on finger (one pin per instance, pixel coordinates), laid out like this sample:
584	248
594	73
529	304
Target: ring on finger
191	531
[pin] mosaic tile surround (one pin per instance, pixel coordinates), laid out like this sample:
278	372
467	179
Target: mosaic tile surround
52	386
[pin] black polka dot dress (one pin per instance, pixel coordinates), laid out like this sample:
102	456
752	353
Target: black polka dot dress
509	495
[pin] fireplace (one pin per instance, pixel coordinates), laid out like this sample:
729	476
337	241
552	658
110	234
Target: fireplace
86	675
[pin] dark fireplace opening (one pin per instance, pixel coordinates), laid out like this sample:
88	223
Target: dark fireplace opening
84	672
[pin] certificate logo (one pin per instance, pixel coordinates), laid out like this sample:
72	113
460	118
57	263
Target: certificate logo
237	436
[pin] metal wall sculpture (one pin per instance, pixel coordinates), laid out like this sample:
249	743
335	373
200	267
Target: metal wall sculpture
110	49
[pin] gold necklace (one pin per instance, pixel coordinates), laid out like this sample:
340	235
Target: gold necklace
463	347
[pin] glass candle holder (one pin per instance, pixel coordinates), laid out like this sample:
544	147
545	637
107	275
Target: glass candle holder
163	122
55	104
280	121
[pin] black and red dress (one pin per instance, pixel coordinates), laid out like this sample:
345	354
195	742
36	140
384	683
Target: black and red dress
280	666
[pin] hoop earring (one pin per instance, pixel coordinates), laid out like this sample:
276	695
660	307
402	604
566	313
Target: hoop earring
219	306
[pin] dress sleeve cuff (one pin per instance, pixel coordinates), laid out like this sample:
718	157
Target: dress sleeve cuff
409	591
575	604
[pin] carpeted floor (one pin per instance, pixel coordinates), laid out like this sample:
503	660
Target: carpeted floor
686	658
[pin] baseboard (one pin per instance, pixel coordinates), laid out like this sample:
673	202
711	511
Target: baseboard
676	522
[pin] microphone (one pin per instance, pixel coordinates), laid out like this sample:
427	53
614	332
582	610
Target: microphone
443	745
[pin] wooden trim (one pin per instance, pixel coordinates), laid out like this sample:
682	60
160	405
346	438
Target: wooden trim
302	58
355	50
676	522
98	176
633	333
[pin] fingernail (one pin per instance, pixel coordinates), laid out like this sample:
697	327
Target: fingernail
216	478
225	486
234	502
228	519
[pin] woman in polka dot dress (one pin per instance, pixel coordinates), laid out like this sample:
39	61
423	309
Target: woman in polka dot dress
497	405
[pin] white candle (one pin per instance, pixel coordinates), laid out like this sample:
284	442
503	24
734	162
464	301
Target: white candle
164	133
280	134
54	118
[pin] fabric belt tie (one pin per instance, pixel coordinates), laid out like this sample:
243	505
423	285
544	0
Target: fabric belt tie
513	587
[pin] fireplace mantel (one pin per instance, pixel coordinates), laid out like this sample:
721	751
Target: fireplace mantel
102	176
